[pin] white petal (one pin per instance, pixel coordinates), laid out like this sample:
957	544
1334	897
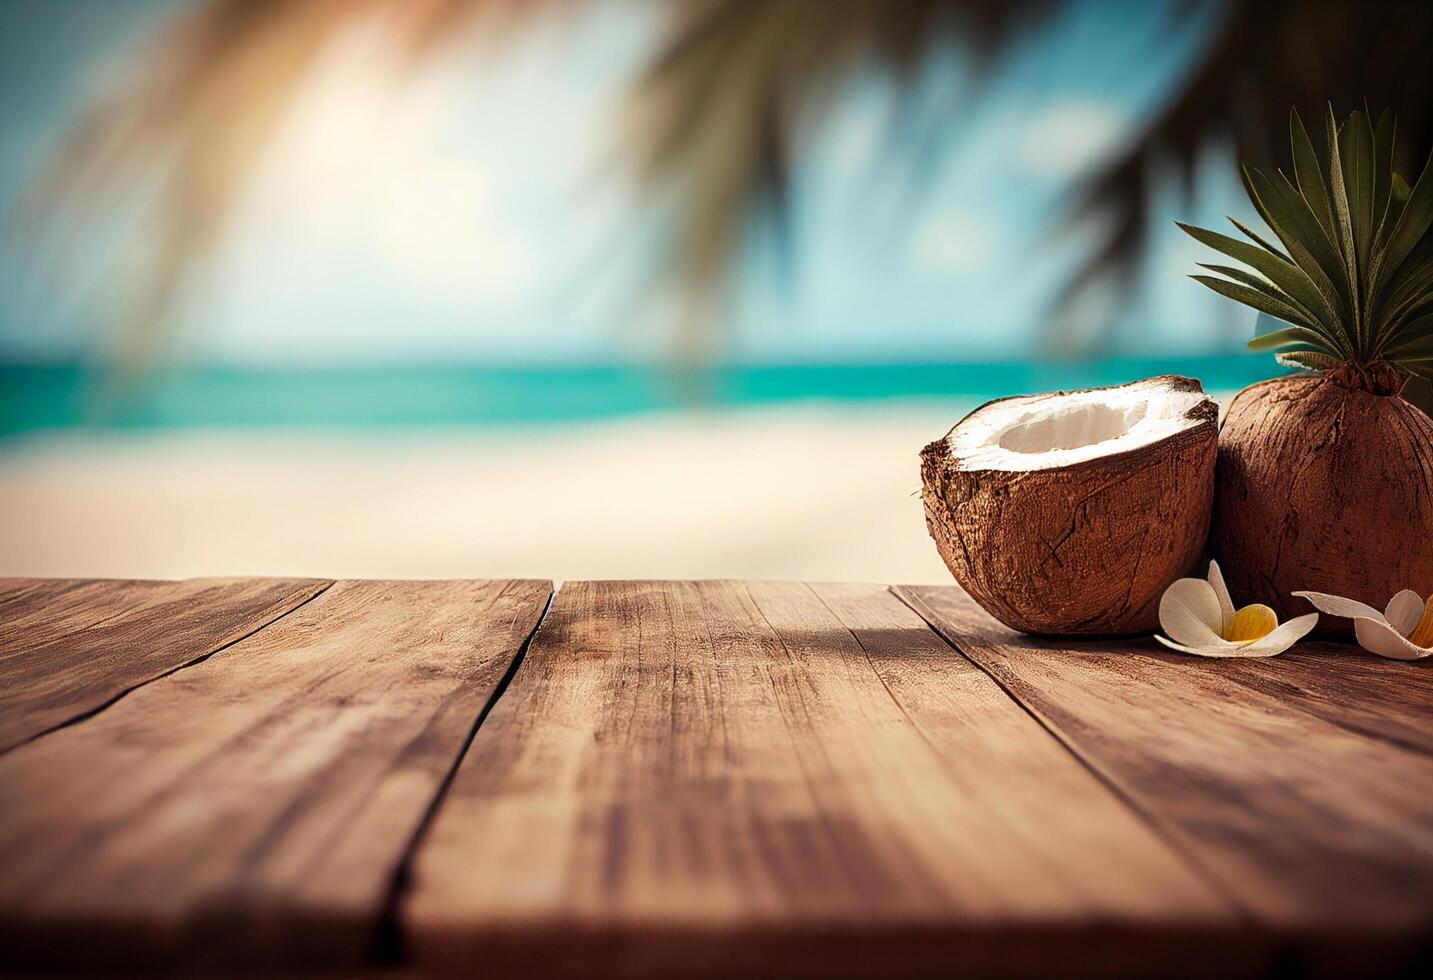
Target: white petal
1226	604
1189	612
1214	648
1404	611
1336	605
1281	638
1217	648
1377	636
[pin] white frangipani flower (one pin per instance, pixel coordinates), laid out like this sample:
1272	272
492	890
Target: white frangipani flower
1403	631
1200	619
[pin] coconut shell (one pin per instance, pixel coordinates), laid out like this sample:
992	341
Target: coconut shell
1323	487
1085	549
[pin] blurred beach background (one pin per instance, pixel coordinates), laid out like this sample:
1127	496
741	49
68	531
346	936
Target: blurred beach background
420	309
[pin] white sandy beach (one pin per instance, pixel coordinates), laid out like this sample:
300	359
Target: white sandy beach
809	492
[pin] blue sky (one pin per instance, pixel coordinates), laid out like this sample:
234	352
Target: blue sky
477	211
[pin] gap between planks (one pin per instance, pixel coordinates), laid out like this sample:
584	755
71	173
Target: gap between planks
1190	859
316	589
402	873
1187	854
433	747
1294	799
389	947
875	805
1333	683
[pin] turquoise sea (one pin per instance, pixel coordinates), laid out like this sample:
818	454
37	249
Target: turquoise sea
34	398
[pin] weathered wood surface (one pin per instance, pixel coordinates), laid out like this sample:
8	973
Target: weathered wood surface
687	780
728	779
254	809
1387	699
1282	778
36	611
69	647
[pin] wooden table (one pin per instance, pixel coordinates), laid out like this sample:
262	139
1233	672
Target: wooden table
681	779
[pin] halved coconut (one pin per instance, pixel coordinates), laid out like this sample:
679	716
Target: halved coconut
1070	513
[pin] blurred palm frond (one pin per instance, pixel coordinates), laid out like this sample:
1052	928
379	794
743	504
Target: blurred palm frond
1264	57
737	79
718	111
197	113
721	110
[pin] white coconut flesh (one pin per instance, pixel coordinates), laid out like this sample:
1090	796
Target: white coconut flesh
1040	432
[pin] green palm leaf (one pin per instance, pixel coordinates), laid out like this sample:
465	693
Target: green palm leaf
1413	223
1278	270
1308	360
1356	155
1288	215
1343	224
1356	283
1288	336
1384	135
1257	239
1327	339
1422	367
1417	343
1308	173
1256	298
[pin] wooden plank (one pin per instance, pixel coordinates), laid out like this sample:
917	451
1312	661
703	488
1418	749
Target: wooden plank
71	651
722	779
1342	684
12	589
38	611
1326	835
252	810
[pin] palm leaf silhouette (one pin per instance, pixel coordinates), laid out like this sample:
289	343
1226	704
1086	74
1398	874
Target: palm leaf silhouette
199	110
1265	56
721	109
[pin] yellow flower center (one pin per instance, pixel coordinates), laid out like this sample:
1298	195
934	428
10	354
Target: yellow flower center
1252	623
1422	635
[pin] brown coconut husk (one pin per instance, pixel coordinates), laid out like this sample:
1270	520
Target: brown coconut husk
1324	484
1079	550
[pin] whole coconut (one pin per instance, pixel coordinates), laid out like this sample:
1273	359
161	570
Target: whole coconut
1071	513
1324	484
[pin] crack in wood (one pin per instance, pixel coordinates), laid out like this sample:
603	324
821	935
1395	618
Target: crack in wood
389	946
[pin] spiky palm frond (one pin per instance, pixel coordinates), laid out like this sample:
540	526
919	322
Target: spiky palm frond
1263	57
1354	279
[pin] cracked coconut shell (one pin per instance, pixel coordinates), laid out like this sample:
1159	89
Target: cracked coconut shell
1070	513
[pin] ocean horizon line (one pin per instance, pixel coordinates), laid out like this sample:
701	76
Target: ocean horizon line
58	395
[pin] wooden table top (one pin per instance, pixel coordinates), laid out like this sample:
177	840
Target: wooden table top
687	779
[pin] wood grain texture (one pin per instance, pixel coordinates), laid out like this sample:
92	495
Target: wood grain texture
36	611
729	779
1324	834
1342	684
12	589
69	648
253	809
